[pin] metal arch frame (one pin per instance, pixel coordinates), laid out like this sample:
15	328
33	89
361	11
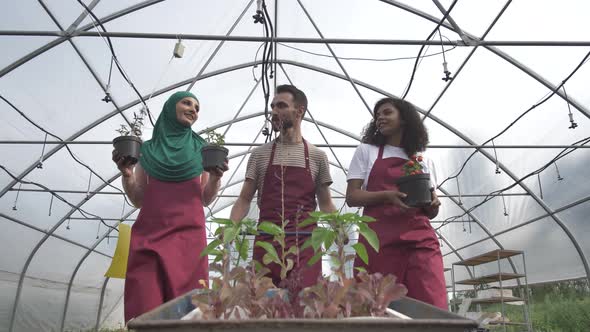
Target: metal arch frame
334	56
110	115
385	93
496	51
100	302
558	93
337	76
82	16
504	168
86	63
39	244
96	243
22	223
530	221
539	79
212	56
464	37
297	40
113	308
454	251
231	122
484	153
365	103
482	226
322	145
60	40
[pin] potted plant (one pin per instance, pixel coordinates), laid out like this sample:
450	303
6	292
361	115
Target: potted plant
214	154
415	183
128	144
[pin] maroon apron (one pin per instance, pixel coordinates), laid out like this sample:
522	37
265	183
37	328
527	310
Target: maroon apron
409	248
299	201
166	242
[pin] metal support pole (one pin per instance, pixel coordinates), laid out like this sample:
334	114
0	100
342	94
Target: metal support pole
530	221
101	301
335	58
212	56
527	299
433	146
253	39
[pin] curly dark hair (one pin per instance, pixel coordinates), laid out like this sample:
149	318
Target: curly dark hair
415	135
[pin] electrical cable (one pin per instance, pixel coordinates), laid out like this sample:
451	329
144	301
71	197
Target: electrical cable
366	59
66	146
496	193
407	90
541	102
118	65
84	213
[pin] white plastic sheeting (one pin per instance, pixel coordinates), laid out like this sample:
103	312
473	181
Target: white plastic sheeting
53	261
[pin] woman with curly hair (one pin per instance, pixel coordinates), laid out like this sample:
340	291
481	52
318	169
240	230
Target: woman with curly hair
409	248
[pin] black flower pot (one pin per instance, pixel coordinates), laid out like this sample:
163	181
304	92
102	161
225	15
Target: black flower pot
213	156
128	146
417	189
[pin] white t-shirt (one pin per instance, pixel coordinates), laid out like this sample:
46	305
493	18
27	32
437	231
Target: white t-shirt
366	155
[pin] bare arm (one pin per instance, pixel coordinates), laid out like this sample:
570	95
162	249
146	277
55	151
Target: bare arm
242	204
210	188
325	198
211	183
356	196
431	211
133	177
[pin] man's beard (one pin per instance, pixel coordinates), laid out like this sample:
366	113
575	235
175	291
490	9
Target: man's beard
282	125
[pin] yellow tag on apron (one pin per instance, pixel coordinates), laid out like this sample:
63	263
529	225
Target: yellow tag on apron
118	267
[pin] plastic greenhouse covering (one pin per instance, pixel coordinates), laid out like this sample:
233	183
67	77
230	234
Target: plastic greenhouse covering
518	72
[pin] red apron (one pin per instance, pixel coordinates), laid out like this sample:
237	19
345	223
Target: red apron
409	248
299	201
166	242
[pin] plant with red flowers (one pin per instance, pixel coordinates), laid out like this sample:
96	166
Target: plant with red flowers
414	166
415	183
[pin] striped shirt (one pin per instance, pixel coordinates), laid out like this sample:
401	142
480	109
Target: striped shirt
288	154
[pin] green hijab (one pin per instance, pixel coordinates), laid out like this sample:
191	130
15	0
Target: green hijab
174	152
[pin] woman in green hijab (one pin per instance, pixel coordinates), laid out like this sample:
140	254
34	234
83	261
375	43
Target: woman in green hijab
171	188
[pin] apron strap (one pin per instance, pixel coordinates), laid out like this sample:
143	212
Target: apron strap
306	151
272	155
381	148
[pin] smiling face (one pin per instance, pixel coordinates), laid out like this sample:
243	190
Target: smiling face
389	120
187	111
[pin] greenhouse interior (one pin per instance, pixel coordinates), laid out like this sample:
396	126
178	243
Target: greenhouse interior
498	84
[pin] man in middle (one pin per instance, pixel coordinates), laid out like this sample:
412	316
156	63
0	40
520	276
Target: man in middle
289	174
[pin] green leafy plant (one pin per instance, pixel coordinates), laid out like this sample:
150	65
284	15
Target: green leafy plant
234	286
366	294
246	288
240	292
136	126
214	138
336	232
272	256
